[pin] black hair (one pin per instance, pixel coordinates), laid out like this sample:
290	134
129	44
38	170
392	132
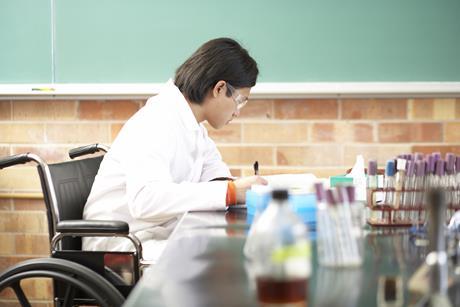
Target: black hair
217	59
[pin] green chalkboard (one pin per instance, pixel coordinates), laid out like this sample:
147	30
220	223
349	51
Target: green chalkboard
136	41
25	41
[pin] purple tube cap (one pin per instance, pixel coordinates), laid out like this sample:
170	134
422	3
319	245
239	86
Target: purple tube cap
342	195
330	197
351	193
420	167
419	156
372	168
319	189
431	163
440	165
450	162
457	164
410	169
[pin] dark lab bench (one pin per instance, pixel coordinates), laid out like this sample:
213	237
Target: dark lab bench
203	265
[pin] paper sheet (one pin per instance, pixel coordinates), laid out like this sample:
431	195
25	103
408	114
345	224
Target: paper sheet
302	183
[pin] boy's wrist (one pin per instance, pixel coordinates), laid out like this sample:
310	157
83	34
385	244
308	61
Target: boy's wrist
230	199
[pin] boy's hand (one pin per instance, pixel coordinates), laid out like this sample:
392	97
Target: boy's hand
244	183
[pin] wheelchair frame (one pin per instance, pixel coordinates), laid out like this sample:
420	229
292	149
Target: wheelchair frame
62	269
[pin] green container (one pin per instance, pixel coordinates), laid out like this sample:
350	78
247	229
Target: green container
340	179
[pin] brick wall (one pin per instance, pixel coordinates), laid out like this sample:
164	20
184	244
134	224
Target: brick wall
322	136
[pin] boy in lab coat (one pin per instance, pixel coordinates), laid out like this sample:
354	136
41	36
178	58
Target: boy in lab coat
163	163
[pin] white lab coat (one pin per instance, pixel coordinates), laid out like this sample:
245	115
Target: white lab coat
158	167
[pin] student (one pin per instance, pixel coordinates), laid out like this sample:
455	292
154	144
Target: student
163	163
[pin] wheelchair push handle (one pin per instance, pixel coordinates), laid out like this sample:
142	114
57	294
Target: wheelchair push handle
13	160
87	149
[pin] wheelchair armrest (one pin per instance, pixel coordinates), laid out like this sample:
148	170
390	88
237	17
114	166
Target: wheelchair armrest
86	150
92	226
13	160
95	228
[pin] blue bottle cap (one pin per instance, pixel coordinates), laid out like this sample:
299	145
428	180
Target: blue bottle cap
390	168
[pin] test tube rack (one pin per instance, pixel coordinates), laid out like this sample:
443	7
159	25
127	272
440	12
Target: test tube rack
402	216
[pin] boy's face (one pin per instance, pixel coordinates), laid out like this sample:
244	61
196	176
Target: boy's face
221	109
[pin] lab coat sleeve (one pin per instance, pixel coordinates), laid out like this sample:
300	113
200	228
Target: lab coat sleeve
152	194
157	201
213	166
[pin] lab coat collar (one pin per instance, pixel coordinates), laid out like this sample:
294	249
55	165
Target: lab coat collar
184	109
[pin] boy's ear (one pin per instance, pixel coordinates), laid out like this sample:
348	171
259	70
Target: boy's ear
220	85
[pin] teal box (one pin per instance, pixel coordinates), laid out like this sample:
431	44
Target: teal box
302	204
340	179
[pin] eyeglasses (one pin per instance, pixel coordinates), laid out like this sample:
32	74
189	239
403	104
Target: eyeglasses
239	99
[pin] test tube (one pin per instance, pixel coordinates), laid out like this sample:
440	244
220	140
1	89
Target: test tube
399	182
325	229
430	178
388	185
372	184
348	236
457	169
439	178
357	208
407	195
450	183
339	237
419	185
430	171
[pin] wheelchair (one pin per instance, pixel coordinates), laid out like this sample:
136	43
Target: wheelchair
79	277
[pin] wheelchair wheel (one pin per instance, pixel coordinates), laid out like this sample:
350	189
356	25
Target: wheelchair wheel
72	276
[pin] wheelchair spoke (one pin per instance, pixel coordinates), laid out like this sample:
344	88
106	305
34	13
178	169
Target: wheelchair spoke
70	280
20	294
69	295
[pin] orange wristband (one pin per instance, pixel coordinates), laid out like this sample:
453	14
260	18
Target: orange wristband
231	194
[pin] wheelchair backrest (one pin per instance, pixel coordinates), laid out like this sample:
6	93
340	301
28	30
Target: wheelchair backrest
71	182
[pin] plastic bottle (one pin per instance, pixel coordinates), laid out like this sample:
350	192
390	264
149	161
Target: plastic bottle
278	247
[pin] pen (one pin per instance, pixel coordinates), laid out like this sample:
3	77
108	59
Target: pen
43	89
256	168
